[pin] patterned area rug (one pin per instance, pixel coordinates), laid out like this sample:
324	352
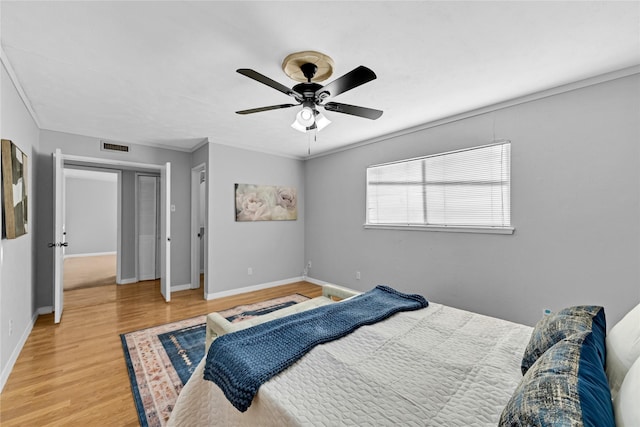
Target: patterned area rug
160	359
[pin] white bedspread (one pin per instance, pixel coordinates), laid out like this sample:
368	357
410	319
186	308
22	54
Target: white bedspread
438	366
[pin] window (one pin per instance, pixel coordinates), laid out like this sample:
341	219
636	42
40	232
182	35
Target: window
465	190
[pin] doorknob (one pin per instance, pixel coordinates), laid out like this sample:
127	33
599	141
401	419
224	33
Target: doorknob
52	245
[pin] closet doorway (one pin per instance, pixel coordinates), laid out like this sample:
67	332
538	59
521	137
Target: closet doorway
147	226
199	231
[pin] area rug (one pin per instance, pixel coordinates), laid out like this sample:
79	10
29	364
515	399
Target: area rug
160	359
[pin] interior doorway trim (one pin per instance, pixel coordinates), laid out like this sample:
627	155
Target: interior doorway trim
196	173
96	162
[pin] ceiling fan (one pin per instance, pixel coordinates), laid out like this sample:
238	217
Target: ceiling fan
309	67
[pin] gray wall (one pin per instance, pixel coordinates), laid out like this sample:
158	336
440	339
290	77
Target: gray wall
90	147
274	249
91	208
17	258
575	206
201	155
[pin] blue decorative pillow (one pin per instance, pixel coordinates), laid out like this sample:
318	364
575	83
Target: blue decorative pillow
557	326
566	386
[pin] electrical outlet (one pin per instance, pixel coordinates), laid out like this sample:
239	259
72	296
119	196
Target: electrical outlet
357	275
309	264
250	271
10	327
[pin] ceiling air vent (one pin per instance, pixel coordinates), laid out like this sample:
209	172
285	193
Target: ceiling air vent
110	146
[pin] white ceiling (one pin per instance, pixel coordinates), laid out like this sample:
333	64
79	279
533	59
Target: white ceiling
163	73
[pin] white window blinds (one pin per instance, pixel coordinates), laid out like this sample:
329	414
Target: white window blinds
466	188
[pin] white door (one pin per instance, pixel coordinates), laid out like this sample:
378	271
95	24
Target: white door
59	240
147	226
165	220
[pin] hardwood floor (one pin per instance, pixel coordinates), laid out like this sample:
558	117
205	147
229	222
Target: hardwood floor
74	373
89	271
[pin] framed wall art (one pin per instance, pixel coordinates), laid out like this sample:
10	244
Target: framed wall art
266	203
14	190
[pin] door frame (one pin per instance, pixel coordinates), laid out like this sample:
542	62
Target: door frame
195	229
165	230
76	160
58	235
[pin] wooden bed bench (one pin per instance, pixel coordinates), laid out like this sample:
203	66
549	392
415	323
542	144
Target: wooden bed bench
218	325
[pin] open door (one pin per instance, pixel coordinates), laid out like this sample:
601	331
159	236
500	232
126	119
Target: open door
59	241
165	220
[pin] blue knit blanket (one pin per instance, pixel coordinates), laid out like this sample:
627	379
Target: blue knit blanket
240	362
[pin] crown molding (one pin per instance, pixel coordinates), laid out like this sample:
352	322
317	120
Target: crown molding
16	83
591	81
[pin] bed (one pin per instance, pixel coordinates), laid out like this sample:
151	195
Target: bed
437	366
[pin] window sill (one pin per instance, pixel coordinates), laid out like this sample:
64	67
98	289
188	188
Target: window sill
446	228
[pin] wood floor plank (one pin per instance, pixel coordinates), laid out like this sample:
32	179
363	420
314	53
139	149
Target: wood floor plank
74	373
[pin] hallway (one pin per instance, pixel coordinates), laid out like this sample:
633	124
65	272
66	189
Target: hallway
89	271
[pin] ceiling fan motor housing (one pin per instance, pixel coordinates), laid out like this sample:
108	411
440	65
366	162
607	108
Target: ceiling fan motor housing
307	90
309	70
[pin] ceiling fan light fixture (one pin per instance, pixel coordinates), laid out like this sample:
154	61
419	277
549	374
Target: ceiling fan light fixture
321	121
305	120
297	126
305	117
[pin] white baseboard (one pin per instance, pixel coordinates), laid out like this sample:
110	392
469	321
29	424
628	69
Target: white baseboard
127	281
16	351
89	254
246	289
316	281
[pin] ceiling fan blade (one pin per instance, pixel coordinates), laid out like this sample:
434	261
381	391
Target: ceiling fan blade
261	109
354	78
269	82
354	110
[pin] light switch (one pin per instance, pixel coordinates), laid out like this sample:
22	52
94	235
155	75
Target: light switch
173	208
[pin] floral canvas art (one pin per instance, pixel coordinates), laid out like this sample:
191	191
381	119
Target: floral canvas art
266	203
